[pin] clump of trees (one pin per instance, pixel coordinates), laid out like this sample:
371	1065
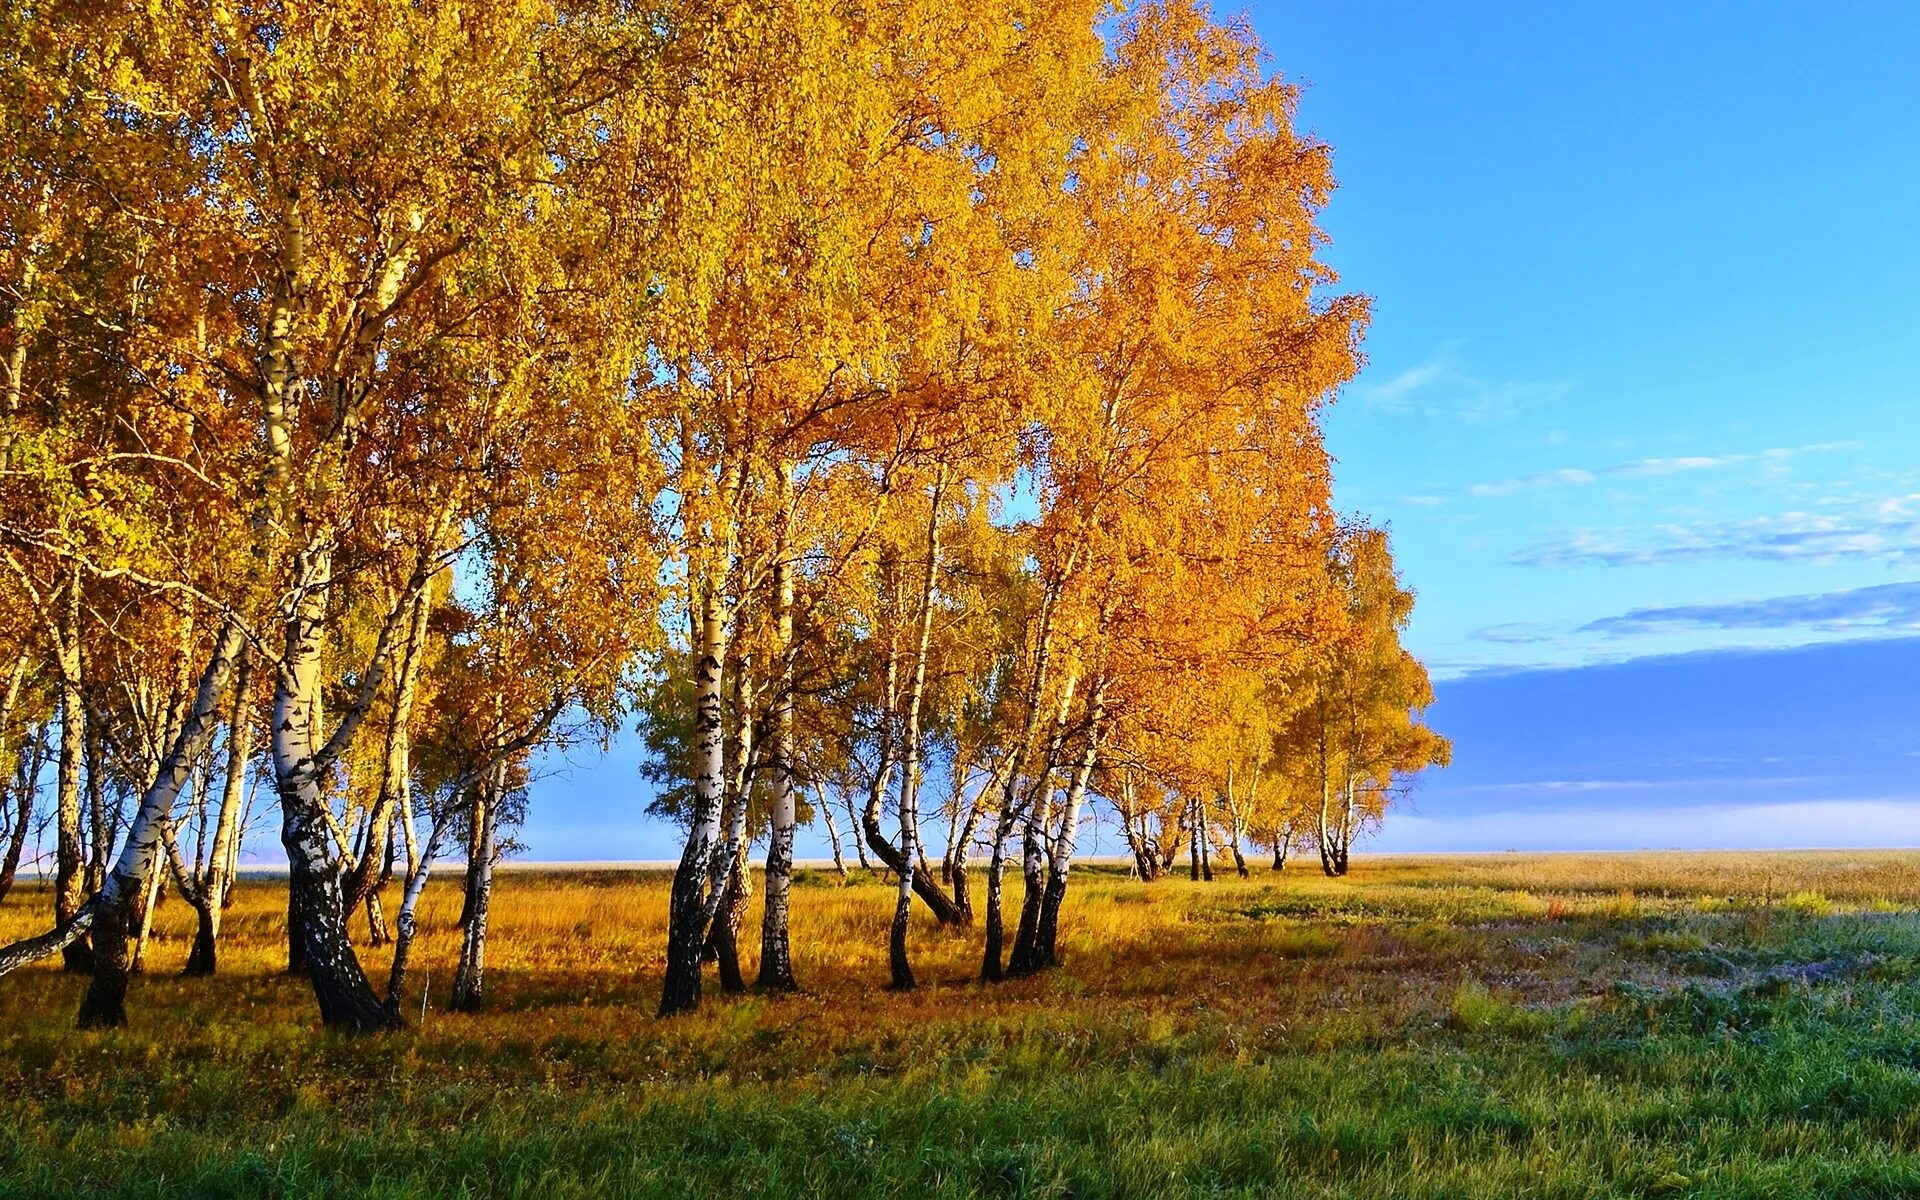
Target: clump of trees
914	411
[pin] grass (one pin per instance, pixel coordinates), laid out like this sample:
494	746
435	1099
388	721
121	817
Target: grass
1561	1026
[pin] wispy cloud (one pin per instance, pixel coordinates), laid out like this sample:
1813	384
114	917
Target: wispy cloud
1632	785
1444	386
1645	467
1891	607
1517	633
1884	530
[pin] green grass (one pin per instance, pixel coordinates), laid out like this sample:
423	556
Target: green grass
1423	1029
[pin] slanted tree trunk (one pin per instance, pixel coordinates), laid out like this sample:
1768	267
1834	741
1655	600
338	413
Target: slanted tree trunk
111	912
853	822
1036	839
26	777
208	896
69	889
961	856
149	904
419	867
1046	933
375	863
1034	843
474	833
1010	812
1146	863
22	802
900	968
723	938
897	858
377	932
833	834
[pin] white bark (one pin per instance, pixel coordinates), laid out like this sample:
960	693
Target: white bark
776	954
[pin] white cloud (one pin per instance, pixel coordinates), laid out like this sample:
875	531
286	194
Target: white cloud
1517	633
1445	387
1887	607
1885	530
1772	461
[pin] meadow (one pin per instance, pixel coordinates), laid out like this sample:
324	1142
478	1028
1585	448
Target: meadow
1711	1025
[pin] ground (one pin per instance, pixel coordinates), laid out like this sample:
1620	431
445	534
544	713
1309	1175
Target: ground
1621	1025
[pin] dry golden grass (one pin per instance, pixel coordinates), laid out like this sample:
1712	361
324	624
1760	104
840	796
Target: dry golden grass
1426	1022
573	946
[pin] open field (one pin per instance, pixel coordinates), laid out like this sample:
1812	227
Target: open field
1601	1025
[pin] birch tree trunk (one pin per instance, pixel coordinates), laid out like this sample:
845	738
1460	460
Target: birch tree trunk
962	855
1195	838
696	894
26	775
24	769
296	932
100	834
723	938
859	842
1145	862
1044	953
1037	836
1343	839
111	910
723	933
990	969
469	979
419	867
363	881
1323	827
776	953
833	837
148	903
898	859
1203	837
209	899
915	748
301	765
68	887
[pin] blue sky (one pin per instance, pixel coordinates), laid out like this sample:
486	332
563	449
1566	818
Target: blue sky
1643	389
1642	410
1646	335
1644	381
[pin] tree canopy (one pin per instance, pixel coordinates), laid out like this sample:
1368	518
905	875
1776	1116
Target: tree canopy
908	406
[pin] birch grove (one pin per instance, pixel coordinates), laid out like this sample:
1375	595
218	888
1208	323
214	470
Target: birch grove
912	412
